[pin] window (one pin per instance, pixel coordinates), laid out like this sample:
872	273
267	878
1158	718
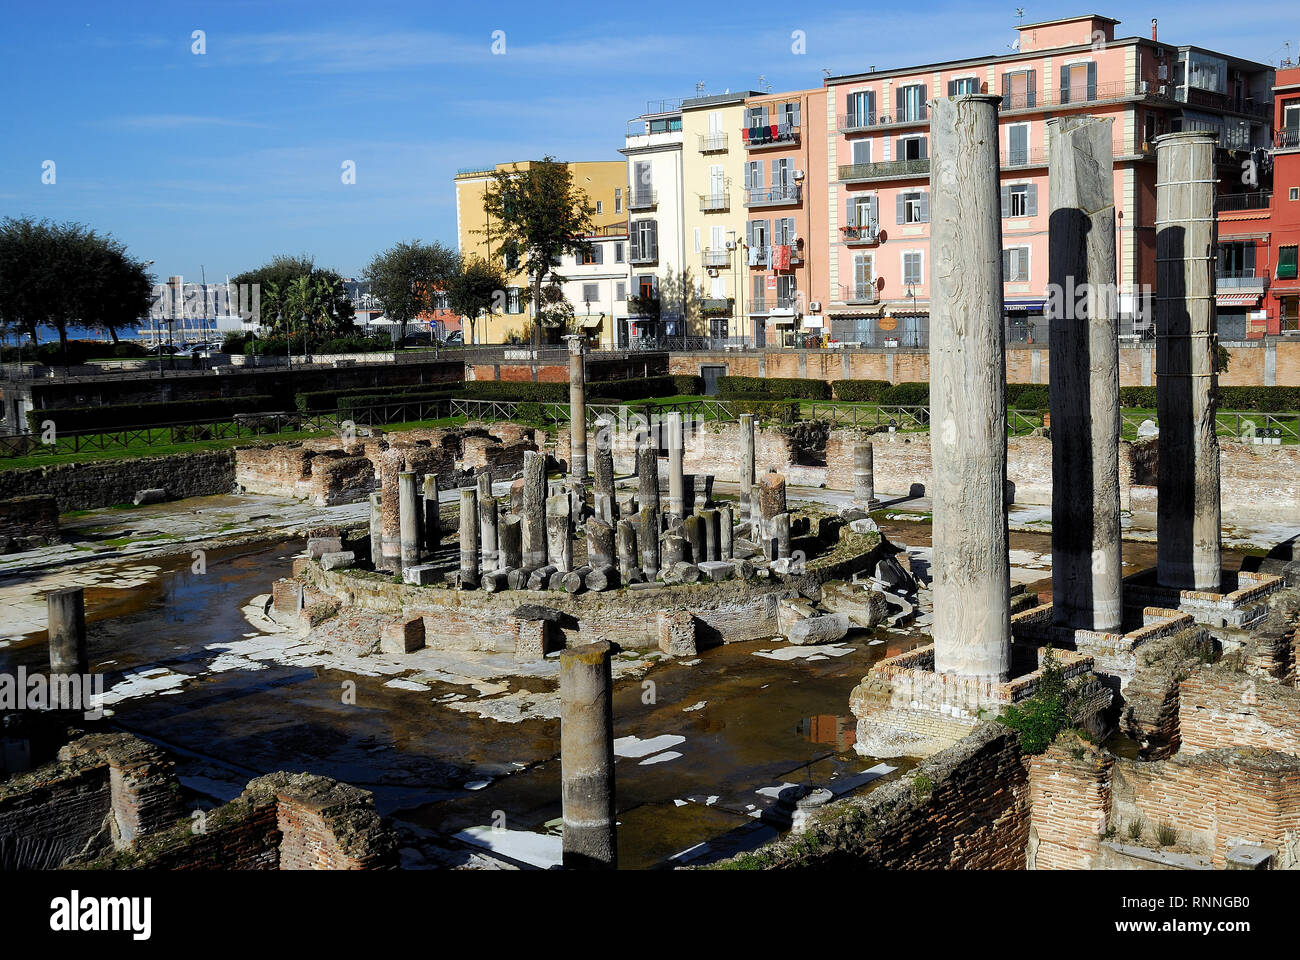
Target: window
861	212
1237	259
647	285
1015	265
785	290
910	103
757	238
512	260
513	304
962	86
783	231
1019	200
1078	82
590	293
861	109
645	241
619	254
620	291
756	116
754	175
594	255
1291	115
1018	145
600	206
864	277
1294	194
914	207
618	199
861	151
1019	89
910	148
1286	263
790	113
642	188
912	267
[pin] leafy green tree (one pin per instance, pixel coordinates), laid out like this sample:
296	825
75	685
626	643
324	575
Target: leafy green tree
408	276
275	279
535	216
475	289
58	274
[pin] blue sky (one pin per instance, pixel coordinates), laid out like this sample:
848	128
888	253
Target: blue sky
226	158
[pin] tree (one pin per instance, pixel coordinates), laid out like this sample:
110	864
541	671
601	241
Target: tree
475	289
536	215
408	276
57	274
276	277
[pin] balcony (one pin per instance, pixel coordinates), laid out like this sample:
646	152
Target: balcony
638	256
713	257
767	306
773	196
1023	159
715	202
854	235
1286	140
716	307
859	293
884	170
1221	101
1237	202
713	142
1245	280
643	199
770	135
647	306
855	122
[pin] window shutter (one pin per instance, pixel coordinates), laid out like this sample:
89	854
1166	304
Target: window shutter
654	238
925	206
1006	265
1006	92
634	238
749	234
923	153
1065	84
1092	81
600	254
1031	200
902	207
899	152
952	88
1031	88
850	212
1006	201
873	213
748	178
871	105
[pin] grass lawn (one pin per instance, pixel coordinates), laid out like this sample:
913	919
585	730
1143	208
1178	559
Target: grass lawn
138	448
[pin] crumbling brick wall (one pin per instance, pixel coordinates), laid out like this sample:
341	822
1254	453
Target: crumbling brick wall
280	470
105	483
964	808
1069	797
1219	707
327	825
28	522
341	479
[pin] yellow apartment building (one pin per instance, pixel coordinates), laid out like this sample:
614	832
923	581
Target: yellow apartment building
604	182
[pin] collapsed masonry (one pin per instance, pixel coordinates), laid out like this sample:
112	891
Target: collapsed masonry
112	801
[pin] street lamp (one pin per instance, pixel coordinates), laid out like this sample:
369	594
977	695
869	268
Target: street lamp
288	350
911	292
303	321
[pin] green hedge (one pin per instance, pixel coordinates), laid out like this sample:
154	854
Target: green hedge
688	384
776	388
1263	399
1028	396
346	405
764	408
110	416
640	388
907	395
859	391
516	390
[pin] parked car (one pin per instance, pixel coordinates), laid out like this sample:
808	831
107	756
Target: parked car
454	339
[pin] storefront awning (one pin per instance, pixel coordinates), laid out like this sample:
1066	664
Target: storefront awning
1236	299
813	322
1030	306
590	323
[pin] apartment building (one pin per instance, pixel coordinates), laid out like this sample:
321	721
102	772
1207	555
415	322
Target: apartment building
596	285
655	306
878	165
713	215
603	181
1259	232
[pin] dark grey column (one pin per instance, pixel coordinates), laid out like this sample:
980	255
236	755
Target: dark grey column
587	757
469	572
534	515
66	611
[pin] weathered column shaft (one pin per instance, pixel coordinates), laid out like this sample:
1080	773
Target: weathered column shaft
377	530
864	475
66	612
577	407
725	532
587	757
1084	353
431	529
747	476
409	514
771	501
1188	522
647	468
972	619
469	535
559	533
604	479
488	533
648	536
676	474
534	515
391	463
625	536
510	543
600	543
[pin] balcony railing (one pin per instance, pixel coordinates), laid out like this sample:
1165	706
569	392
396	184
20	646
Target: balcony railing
769	305
715	202
1259	200
770	196
644	256
858	293
1240	280
713	142
644	199
1287	140
770	134
711	257
855	122
716	306
1221	101
870	233
883	170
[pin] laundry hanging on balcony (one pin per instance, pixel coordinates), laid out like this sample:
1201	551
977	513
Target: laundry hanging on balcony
783	253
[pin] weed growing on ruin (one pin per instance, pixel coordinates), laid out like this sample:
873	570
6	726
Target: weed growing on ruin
1166	835
922	786
1038	719
1135	829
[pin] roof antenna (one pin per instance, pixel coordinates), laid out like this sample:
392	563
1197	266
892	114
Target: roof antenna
1020	13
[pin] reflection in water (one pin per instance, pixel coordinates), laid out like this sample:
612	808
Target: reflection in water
841	731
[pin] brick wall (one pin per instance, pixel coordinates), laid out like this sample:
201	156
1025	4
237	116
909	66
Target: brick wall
1069	797
28	522
327	825
964	808
1221	708
104	483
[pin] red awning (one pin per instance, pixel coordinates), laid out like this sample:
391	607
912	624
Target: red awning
1237	299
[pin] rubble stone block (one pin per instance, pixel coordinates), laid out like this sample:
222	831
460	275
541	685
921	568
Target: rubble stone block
317	547
338	560
422	574
403	636
717	570
821	629
676	633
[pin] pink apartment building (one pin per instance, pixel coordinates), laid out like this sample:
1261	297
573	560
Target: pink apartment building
875	286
